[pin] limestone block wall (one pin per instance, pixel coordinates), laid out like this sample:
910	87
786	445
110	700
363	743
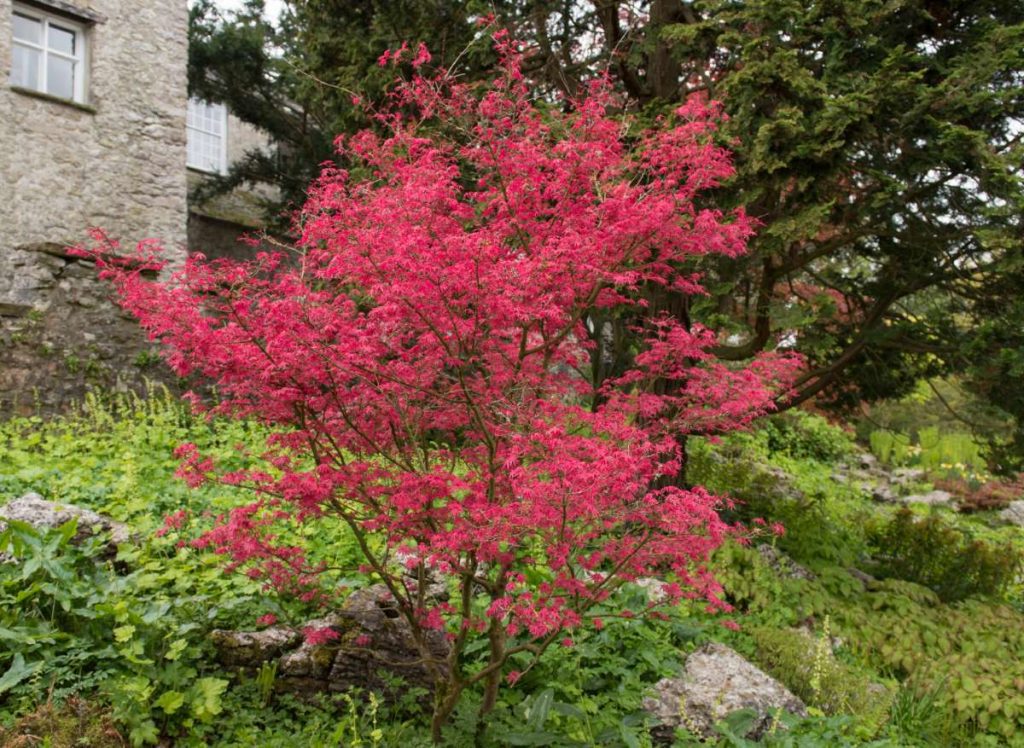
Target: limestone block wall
116	162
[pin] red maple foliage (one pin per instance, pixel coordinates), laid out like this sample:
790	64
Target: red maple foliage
421	362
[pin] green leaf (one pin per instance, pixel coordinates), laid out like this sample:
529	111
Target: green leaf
144	733
124	633
177	647
740	722
206	693
537	737
568	710
17	672
170	701
540	708
628	735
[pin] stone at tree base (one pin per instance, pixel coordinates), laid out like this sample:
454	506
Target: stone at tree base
391	651
253	648
1014	513
34	510
715	682
346	661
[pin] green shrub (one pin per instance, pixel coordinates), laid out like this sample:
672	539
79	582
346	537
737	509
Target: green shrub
968	659
72	622
799	434
937	555
807	666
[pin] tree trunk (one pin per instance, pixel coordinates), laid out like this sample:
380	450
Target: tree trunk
444	704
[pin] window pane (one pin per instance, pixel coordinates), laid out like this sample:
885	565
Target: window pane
25	67
27	29
205	116
204	151
60	77
62	40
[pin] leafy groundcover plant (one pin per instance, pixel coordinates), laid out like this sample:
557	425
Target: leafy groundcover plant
420	363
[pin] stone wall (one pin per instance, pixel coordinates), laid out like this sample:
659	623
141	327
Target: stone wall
118	163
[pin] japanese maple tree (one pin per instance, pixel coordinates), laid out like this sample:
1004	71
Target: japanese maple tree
421	360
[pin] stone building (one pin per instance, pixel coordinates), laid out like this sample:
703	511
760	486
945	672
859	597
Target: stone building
96	129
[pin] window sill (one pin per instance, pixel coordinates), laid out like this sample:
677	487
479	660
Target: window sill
206	172
53	99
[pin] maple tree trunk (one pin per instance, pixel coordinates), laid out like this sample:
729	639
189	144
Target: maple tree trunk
444	704
677	306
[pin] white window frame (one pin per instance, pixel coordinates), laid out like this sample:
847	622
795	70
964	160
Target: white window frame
79	59
222	161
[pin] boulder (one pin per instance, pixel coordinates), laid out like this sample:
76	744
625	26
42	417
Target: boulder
715	682
861	576
885	494
906	476
867	461
435	584
307	669
34	510
781	484
1014	513
932	498
782	564
653	588
379	645
253	648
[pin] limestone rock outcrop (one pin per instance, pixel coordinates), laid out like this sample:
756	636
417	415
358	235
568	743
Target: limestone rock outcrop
715	682
370	645
34	510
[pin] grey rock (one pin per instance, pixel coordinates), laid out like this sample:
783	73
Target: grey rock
655	589
307	668
389	649
885	494
811	638
372	645
435	586
1014	513
867	461
932	498
34	510
782	564
861	576
715	682
253	648
905	476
